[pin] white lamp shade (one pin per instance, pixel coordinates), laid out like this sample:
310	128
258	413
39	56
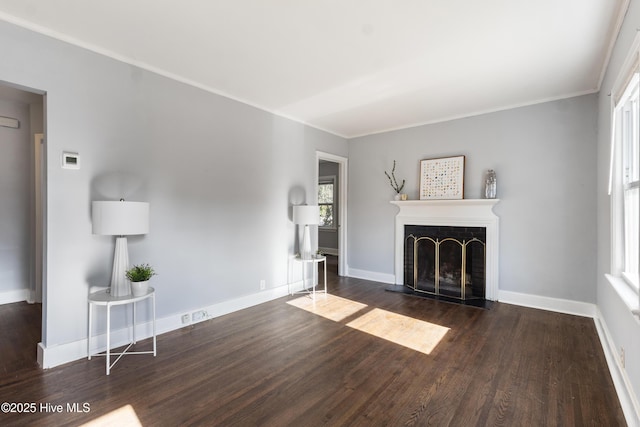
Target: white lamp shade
120	218
306	215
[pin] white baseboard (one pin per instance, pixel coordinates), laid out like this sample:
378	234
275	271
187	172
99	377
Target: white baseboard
516	298
624	389
371	275
16	295
546	303
51	356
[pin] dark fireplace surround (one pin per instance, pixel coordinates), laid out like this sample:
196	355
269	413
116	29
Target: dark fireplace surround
445	261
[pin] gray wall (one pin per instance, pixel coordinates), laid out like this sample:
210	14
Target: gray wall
221	177
622	325
545	159
15	199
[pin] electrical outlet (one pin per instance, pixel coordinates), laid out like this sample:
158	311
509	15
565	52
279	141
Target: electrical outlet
185	319
198	315
622	361
263	284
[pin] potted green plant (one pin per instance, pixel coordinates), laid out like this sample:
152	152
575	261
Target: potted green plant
139	276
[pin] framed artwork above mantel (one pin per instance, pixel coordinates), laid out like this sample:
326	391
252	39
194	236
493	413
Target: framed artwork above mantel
442	178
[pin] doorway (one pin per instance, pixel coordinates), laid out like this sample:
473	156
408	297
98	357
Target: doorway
332	234
22	235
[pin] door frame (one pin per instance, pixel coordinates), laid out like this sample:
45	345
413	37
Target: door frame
343	164
39	201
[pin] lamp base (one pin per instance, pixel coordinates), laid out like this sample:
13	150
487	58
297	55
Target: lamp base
305	251
120	286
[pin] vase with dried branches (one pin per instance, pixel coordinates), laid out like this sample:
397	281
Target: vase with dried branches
394	183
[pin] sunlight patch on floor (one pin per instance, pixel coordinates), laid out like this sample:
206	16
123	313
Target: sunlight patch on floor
403	330
328	306
124	416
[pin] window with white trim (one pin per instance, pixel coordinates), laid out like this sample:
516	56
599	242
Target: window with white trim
326	198
625	172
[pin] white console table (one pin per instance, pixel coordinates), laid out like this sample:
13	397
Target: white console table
104	298
314	263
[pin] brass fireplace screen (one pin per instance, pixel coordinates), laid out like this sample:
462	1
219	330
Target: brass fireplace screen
446	261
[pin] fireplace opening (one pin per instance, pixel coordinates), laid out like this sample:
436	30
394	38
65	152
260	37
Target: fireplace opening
446	261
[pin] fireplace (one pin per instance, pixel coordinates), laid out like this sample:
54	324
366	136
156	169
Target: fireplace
445	261
464	232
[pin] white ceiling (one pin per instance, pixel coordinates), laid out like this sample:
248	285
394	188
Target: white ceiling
351	67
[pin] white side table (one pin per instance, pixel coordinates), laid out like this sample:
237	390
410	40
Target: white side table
313	262
103	298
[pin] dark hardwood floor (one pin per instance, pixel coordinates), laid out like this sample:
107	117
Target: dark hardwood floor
279	365
20	332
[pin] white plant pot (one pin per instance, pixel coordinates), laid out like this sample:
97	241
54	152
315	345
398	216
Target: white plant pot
139	289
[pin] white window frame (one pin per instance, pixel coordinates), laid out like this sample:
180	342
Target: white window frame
330	179
623	109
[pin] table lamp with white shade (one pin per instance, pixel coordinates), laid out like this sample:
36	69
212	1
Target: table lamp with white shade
120	218
306	215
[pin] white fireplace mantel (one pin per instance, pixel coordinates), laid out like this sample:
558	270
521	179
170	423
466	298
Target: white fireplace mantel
453	213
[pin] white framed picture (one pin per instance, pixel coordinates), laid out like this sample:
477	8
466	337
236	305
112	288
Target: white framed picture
442	178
